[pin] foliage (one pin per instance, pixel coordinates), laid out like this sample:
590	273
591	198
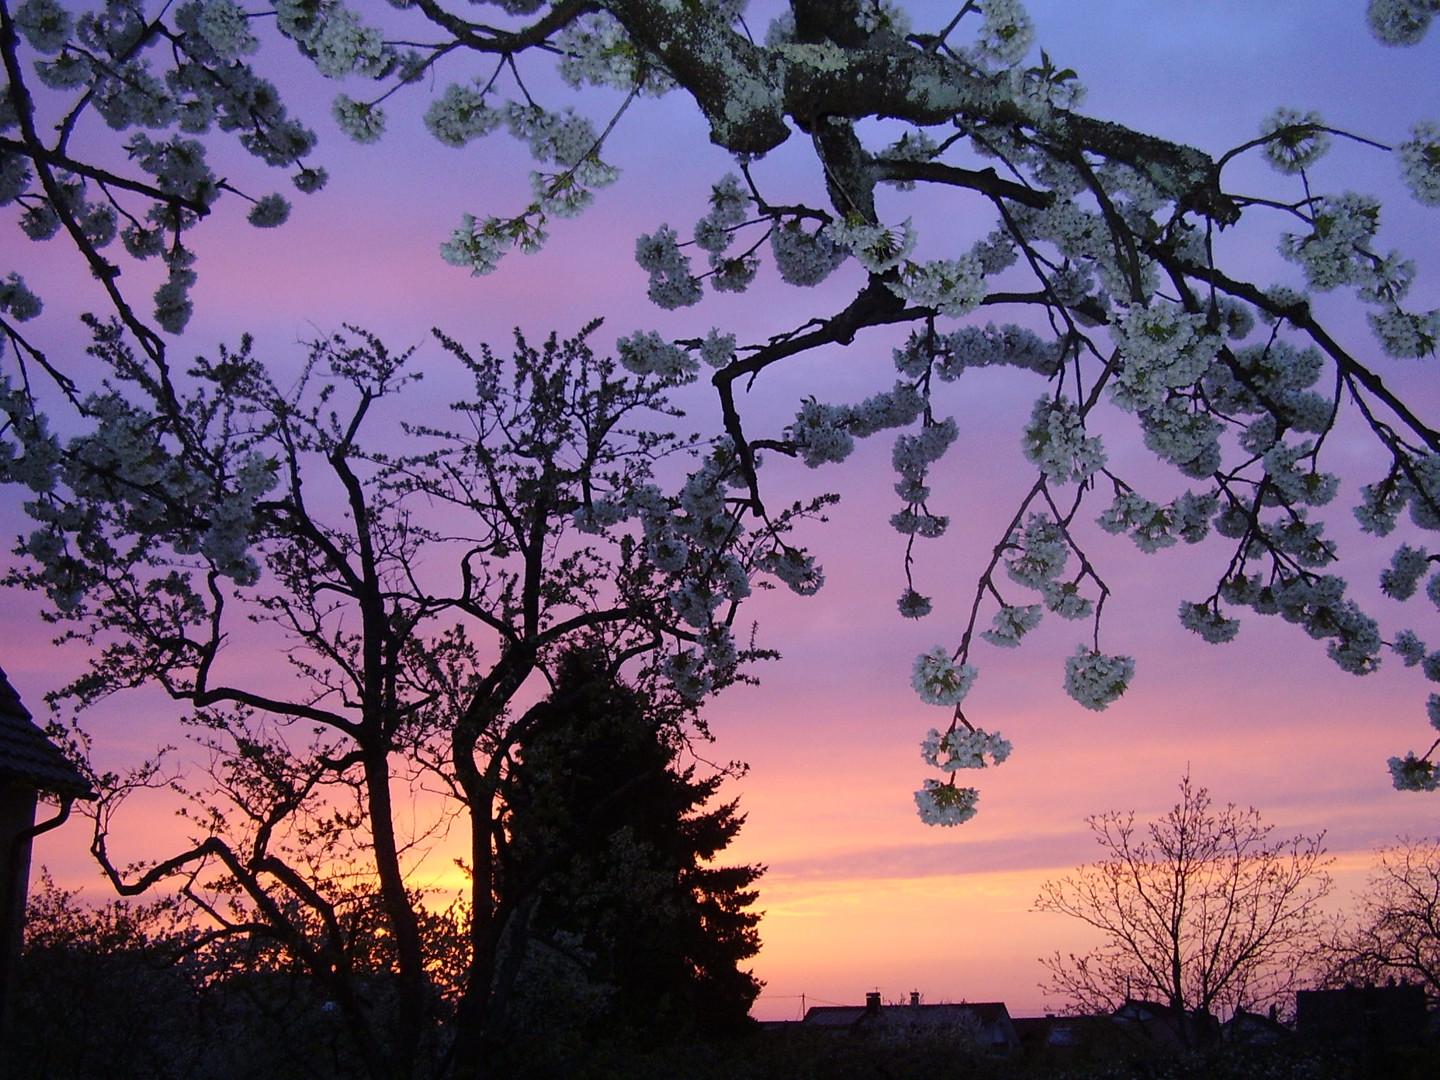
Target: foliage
1200	911
1394	930
1100	238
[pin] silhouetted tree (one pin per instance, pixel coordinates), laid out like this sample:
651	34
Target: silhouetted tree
1395	929
1201	910
612	837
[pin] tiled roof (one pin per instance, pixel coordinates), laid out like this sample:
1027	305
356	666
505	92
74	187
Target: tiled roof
27	757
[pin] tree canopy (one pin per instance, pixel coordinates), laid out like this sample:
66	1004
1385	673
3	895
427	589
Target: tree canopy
1103	245
1201	911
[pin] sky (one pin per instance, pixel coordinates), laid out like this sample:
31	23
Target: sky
860	895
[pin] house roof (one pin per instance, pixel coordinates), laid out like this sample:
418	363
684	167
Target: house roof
985	1012
27	758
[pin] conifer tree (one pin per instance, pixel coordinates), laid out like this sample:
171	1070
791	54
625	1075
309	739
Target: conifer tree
614	839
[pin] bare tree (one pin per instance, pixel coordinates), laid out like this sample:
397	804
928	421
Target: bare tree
1201	910
1395	928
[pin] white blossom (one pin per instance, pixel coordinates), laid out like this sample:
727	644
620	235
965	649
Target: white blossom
819	433
1407	566
1337	251
460	115
1405	335
475	245
879	248
1006	34
912	605
938	680
717	349
796	569
1208	622
1066	600
686	672
647	353
342	44
1094	679
963	748
1162	347
225	28
1055	439
1420	162
45	24
1039	552
18	302
362	121
953	287
1399	22
269	212
945	804
1408	647
804	258
1413	774
1011	623
1295	140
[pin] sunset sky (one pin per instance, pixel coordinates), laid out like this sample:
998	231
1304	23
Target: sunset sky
859	894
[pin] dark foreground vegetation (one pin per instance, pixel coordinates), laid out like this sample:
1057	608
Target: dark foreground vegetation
86	1015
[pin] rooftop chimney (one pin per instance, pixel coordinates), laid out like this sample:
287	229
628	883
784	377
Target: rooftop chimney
872	1001
915	997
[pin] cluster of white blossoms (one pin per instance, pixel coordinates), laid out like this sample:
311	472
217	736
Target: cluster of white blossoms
1011	623
1056	441
804	258
645	352
1148	523
953	287
108	55
17	301
335	37
945	804
1407	566
1295	140
1094	680
460	115
672	284
1208	621
939	680
1006	34
950	355
595	50
963	748
826	433
1162	348
1400	22
1185	433
1337	250
221	24
879	248
1414	774
1420	162
1037	554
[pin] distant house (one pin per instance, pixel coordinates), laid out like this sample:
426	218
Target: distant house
1165	1025
1361	1017
30	764
986	1023
1246	1028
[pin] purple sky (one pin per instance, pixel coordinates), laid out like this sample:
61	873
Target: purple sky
860	895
